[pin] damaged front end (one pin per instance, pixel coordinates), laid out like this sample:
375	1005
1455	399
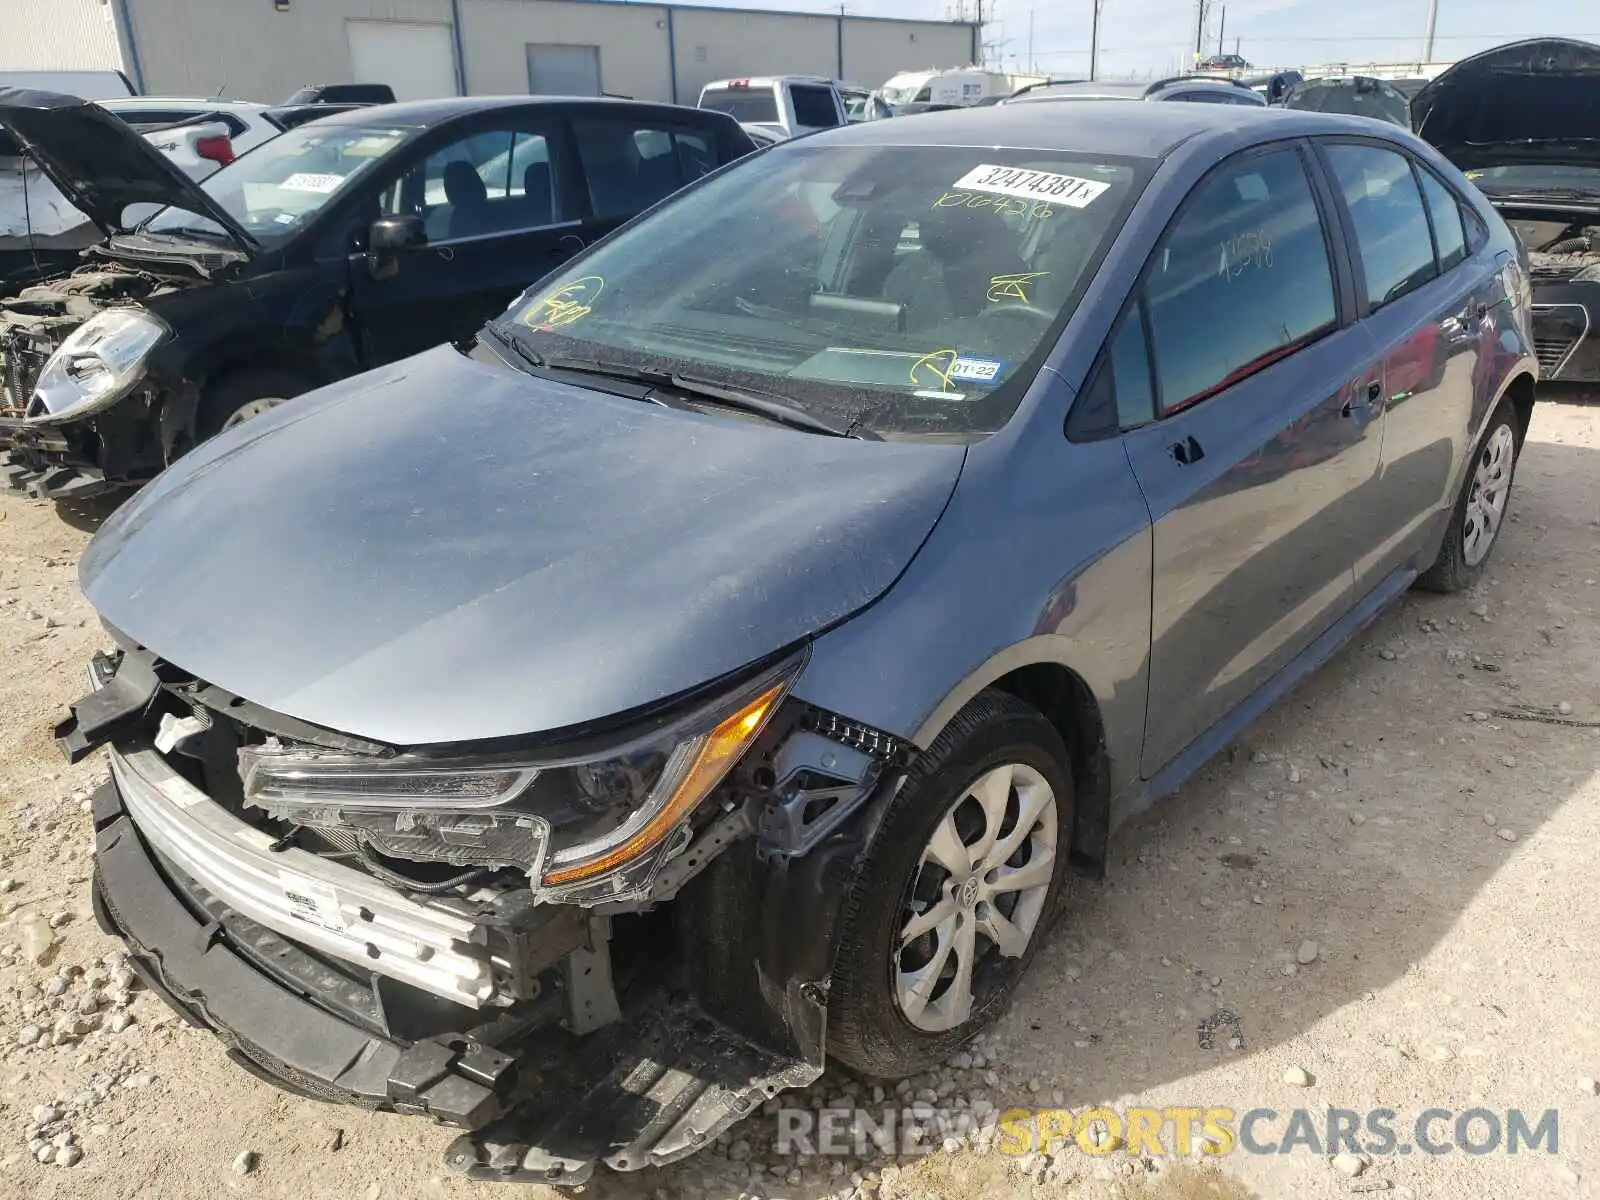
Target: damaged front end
603	950
1565	270
79	413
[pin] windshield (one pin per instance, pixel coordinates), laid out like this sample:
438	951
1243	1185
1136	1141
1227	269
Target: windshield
905	290
899	95
1538	177
281	184
743	104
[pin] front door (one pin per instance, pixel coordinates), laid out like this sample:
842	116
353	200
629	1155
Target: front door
497	207
1426	301
1262	447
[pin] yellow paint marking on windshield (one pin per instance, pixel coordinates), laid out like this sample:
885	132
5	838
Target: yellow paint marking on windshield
568	304
934	368
1013	287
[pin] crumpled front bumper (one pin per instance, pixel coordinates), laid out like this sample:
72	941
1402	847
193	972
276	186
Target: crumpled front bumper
40	461
541	1105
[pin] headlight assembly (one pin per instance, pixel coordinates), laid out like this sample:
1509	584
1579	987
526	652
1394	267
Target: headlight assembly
585	827
100	362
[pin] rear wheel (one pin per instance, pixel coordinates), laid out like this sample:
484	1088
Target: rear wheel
1481	507
956	892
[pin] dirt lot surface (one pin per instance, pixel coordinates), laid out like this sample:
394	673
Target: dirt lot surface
1440	856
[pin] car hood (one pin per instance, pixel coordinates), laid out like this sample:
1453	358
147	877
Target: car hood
101	163
1531	100
445	551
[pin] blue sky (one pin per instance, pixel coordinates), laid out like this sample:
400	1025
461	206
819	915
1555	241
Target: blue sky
1140	37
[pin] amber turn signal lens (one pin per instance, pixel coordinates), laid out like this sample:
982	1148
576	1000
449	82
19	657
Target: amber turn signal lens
708	757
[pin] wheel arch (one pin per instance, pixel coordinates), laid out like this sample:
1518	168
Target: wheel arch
1038	673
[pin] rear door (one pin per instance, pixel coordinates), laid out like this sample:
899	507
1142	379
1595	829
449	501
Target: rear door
1426	302
499	205
631	160
1259	451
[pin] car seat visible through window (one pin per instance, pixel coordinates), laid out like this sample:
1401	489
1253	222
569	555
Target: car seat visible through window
468	197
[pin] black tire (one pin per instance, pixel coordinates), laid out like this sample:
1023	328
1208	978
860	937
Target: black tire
867	1029
1451	572
225	397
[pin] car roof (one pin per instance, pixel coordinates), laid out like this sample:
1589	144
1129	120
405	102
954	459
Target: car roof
427	113
769	80
1081	91
1096	127
166	101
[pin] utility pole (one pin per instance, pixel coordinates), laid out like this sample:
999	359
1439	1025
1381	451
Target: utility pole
983	50
1094	38
1201	12
1031	70
1221	27
1433	23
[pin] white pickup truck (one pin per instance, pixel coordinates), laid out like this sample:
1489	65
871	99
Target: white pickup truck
779	105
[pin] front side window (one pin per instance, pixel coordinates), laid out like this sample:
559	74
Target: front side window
909	290
1240	280
280	185
629	165
1391	228
1445	211
493	181
813	106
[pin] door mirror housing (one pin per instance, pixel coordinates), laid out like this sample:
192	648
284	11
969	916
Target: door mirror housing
391	234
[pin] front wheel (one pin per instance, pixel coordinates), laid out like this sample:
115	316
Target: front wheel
1481	507
956	891
237	398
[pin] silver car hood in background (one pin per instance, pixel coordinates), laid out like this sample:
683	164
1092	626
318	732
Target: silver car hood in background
443	551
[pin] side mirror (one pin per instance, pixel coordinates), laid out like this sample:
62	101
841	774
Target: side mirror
390	234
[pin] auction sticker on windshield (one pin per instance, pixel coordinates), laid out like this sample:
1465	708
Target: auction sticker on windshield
1033	185
308	181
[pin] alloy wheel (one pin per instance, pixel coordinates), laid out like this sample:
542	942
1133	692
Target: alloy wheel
253	409
1486	500
977	893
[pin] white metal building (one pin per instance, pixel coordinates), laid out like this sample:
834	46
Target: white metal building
264	49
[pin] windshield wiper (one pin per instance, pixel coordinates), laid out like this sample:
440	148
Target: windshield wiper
763	404
504	341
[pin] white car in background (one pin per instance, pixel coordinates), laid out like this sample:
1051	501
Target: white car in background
198	134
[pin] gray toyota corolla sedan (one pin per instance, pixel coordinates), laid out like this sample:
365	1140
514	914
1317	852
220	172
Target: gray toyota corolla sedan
578	734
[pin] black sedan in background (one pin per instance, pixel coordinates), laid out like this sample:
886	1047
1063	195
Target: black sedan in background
339	246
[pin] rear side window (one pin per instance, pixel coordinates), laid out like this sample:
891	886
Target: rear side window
1241	279
1390	225
813	105
1449	232
629	164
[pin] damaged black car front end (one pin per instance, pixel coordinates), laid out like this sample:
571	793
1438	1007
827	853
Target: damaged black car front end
550	949
1523	122
94	392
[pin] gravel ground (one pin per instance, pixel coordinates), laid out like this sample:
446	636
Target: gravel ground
1389	884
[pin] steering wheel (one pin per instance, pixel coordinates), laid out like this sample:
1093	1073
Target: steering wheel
1032	312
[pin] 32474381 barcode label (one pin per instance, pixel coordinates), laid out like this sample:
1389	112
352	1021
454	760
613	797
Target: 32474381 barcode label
1033	185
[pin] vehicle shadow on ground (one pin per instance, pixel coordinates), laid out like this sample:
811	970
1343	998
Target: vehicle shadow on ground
1351	815
90	513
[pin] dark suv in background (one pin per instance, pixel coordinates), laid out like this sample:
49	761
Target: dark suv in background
336	247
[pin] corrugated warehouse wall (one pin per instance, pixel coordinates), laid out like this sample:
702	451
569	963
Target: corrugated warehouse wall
716	44
58	35
631	38
255	50
875	50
